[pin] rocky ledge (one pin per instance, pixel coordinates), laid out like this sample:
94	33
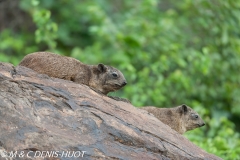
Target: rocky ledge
48	118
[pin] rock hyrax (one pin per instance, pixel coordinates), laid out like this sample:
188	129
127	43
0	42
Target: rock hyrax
181	118
99	77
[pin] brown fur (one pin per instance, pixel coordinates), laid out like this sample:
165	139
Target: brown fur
99	77
181	118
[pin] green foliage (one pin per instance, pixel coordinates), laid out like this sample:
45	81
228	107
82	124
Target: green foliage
46	31
171	52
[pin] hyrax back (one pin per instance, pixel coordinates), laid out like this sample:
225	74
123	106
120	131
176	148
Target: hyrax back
181	118
99	77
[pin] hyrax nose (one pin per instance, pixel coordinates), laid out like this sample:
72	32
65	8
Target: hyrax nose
203	124
124	83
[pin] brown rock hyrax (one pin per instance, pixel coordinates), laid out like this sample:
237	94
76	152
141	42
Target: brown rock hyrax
99	77
181	118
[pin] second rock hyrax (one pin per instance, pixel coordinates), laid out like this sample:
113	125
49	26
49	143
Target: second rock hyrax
181	118
99	77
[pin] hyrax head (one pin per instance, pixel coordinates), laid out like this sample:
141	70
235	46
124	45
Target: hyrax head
190	118
108	78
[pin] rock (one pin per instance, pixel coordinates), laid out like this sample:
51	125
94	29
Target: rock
42	115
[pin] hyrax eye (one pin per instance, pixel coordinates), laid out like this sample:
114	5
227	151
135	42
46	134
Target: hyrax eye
196	116
115	75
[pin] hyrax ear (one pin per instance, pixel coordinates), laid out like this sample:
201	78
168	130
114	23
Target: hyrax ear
102	68
183	108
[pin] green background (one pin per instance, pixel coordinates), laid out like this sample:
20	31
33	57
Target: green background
171	52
